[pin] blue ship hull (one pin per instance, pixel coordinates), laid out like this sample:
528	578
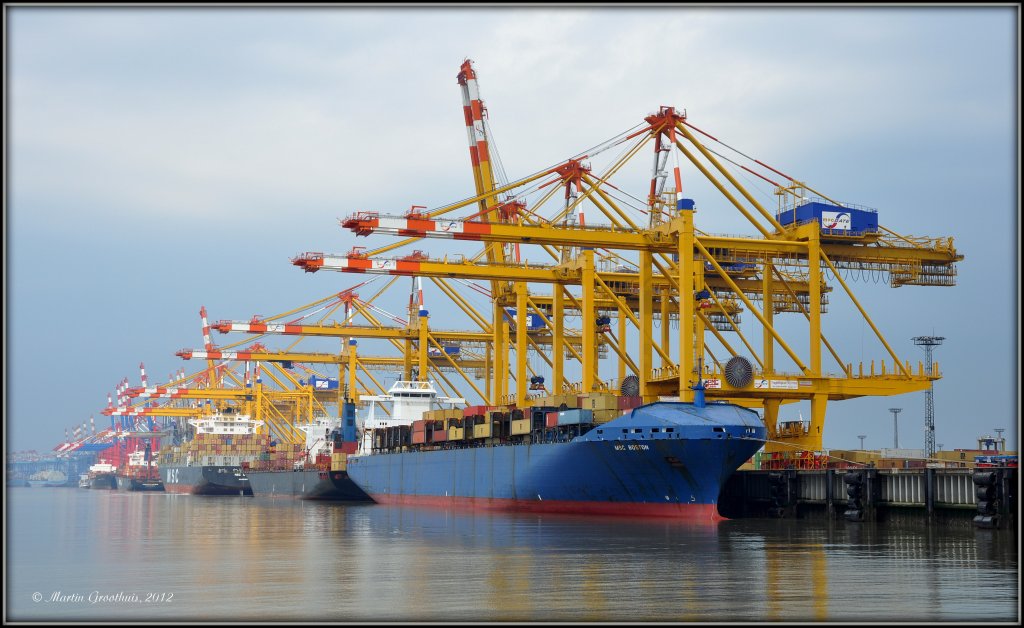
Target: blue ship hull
661	459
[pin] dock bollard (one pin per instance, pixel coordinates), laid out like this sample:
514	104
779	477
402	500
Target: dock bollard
854	481
986	490
777	493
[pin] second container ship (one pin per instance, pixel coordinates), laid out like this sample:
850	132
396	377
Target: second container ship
211	463
317	470
140	473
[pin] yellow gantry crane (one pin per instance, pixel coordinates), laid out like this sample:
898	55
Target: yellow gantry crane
648	262
282	410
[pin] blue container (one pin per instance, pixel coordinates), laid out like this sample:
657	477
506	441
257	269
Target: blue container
323	383
575	417
533	321
832	218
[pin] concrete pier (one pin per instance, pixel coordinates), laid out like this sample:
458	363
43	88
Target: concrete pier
923	496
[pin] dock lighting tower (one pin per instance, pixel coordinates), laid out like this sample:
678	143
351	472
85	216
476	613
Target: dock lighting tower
928	342
999	437
895	427
862	437
939	446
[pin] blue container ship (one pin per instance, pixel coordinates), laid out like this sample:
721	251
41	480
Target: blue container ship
664	459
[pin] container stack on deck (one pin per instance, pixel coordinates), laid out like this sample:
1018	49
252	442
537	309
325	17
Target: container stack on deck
217	449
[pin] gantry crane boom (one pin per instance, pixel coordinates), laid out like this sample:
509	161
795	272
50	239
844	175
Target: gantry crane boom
890	253
422	266
356	331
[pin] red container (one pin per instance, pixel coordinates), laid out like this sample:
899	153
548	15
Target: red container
469	411
347	448
419	426
628	403
419	438
551	419
439	436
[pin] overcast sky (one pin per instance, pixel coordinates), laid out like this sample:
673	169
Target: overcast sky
161	159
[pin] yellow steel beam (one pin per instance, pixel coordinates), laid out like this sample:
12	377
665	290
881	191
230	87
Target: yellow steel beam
621	337
686	313
751	307
522	389
789	387
459	370
863	313
461	302
623	308
624	359
739	332
558	343
646	324
707	155
589	330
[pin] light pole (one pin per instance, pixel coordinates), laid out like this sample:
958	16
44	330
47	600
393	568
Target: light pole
895	427
928	343
862	437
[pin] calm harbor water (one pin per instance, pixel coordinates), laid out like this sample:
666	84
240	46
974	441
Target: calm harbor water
102	555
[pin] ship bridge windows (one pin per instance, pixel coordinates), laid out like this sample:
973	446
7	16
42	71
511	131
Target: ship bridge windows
638	430
718	429
655	430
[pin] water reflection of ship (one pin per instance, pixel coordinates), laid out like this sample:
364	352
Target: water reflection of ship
549	567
